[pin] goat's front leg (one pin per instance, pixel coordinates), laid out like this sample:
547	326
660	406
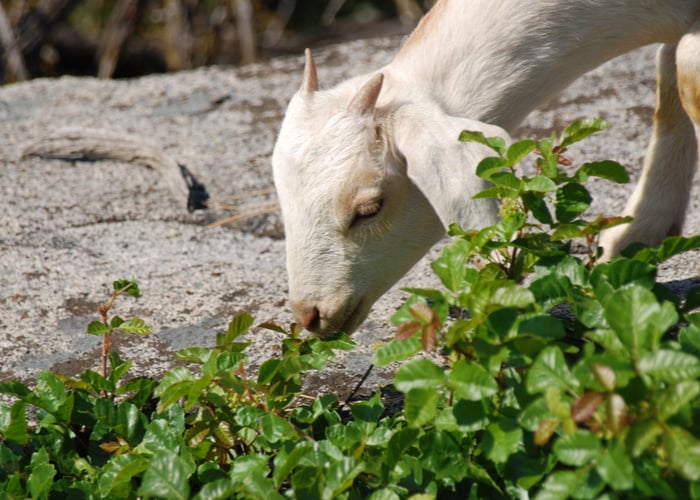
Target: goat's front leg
659	202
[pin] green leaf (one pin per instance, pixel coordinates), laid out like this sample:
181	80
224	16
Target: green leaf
368	412
572	200
130	287
471	382
534	413
669	247
642	435
15	388
16	430
470	416
116	477
622	272
580	129
442	455
420	406
519	150
95	382
198	355
683	451
167	476
136	326
498	192
397	350
548	163
288	459
578	449
542	325
419	374
607	169
268	370
53	396
490	166
275	428
340	476
540	183
251	472
560	485
637	317
689	336
615	467
236	327
692	299
569	231
98	328
669	366
342	342
534	203
675	397
502	439
488	295
42	475
506	180
451	265
345	436
549	370
495	143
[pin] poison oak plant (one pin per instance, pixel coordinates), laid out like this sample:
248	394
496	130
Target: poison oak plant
106	327
560	377
599	399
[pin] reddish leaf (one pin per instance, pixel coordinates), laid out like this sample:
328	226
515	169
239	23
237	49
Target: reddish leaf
585	406
605	376
407	330
422	312
429	338
545	430
616	410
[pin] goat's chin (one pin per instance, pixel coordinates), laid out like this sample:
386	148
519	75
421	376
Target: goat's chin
347	324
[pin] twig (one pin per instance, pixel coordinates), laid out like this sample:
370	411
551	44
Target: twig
244	216
178	35
80	143
246	32
359	384
15	63
331	10
409	11
275	28
238	208
251	194
120	25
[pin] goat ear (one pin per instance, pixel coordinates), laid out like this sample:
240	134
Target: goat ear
442	167
365	100
309	84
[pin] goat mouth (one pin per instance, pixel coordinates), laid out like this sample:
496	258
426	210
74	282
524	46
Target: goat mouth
346	325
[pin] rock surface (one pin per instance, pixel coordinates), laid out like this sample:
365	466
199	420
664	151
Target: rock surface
68	229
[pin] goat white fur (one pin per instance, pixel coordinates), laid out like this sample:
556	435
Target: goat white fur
370	173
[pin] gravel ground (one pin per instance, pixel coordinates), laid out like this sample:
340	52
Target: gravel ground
68	229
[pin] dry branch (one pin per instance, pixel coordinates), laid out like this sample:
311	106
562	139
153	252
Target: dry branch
120	25
13	57
89	144
246	31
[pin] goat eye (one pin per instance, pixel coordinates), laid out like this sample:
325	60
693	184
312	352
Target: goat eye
367	210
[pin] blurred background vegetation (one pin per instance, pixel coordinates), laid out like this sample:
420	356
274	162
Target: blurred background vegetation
127	38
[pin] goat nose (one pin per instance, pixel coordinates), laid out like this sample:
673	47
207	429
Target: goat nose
308	317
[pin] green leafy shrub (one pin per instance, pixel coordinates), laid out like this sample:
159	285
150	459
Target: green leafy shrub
552	376
597	400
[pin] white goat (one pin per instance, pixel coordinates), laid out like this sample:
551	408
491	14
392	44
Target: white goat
370	173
